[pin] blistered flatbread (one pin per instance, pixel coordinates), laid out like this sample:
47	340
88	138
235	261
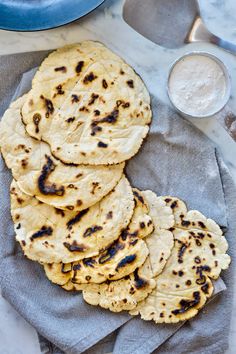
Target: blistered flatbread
125	294
119	295
89	105
49	235
38	173
198	256
188	219
120	259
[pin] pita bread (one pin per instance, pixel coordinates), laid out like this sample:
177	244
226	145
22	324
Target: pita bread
199	255
41	175
191	219
126	293
89	105
51	235
119	295
120	259
160	242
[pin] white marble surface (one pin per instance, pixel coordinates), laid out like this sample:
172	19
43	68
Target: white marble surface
152	62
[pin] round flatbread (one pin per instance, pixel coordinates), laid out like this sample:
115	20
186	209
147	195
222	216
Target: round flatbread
191	219
41	175
199	255
119	295
126	293
51	235
119	260
160	242
89	105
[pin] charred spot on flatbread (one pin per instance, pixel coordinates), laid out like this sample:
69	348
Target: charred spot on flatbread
44	231
44	187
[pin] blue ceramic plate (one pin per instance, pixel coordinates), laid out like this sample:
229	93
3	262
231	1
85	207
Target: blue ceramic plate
36	15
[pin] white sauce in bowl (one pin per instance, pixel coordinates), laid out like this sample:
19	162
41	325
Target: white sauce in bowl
198	85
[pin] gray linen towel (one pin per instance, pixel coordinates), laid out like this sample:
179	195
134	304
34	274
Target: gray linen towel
176	159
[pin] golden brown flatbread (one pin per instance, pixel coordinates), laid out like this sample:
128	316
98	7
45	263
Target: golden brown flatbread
51	235
120	259
126	293
89	105
198	256
38	173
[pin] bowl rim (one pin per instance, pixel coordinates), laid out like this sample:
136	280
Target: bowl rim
42	27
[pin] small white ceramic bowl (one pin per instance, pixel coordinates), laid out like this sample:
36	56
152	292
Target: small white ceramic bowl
227	80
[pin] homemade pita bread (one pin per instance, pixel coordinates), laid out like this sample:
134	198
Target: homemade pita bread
51	235
120	259
41	175
89	105
199	255
190	219
160	242
119	295
125	294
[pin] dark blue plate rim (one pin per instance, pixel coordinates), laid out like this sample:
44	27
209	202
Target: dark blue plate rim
67	20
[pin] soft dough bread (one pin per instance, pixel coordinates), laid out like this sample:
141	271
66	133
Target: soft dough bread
120	259
126	293
198	256
38	173
89	105
51	235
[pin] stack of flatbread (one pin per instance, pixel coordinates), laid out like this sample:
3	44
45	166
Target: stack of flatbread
74	210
